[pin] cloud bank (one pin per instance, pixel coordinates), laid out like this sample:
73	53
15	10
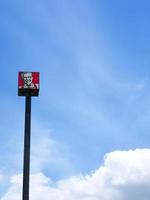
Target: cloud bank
125	175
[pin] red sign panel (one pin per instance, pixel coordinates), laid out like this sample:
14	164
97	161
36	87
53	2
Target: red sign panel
28	82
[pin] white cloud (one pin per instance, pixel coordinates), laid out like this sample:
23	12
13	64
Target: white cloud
47	154
125	175
46	151
1	177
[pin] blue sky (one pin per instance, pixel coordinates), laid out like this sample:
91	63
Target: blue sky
93	59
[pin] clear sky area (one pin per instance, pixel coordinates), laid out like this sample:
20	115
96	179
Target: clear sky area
91	122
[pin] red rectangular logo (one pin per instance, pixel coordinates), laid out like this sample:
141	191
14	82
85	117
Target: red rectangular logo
28	80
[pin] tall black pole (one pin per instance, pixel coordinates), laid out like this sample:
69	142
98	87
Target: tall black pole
27	133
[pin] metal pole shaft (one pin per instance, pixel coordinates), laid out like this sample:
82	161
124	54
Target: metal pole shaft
26	164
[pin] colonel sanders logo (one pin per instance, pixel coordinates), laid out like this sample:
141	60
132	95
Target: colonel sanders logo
28	80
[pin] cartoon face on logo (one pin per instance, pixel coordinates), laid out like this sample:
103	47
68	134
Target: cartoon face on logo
28	81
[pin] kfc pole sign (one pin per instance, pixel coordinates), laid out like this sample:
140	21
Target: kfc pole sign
28	83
